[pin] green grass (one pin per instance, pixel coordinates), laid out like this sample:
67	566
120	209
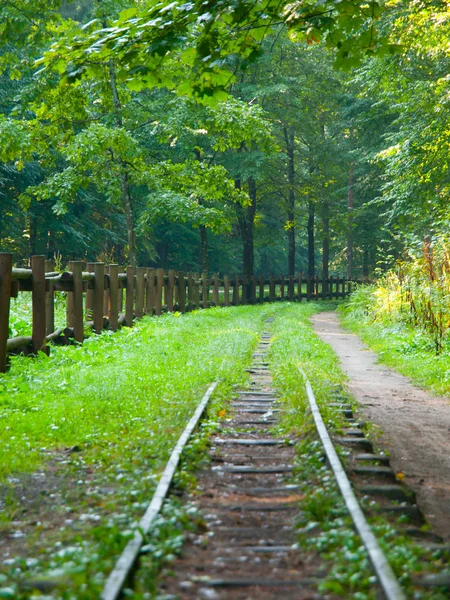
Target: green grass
409	350
324	524
139	384
21	310
121	401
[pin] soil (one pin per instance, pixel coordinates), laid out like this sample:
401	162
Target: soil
414	425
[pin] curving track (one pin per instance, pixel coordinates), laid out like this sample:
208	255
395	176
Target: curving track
248	547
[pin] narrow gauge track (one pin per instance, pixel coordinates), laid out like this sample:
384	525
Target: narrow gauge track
248	549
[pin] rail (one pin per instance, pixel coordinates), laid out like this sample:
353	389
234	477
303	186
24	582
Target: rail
383	571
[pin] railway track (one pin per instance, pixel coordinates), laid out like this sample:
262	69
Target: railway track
248	547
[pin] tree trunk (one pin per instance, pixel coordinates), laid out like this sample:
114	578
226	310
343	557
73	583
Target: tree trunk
350	226
325	244
311	260
290	149
249	257
246	217
204	248
124	178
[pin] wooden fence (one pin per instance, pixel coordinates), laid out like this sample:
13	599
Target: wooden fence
106	297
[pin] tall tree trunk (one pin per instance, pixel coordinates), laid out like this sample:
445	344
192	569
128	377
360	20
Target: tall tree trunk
204	248
311	258
246	219
325	244
350	226
124	176
249	256
290	149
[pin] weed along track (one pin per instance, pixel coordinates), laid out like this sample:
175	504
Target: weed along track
250	507
250	540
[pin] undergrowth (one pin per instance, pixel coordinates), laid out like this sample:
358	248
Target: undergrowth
399	343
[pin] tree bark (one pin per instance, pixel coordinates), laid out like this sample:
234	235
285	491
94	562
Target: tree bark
290	151
246	219
124	177
350	226
249	257
311	258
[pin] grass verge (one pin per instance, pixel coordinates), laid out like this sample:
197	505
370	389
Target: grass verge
324	524
85	433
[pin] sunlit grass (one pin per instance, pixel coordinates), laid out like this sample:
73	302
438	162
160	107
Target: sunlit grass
139	384
408	349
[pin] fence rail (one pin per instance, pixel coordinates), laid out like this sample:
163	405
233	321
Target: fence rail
107	297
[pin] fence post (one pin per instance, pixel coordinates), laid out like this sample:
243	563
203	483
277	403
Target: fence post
99	293
170	289
216	299
106	293
181	292
236	290
191	291
197	290
5	299
49	301
69	302
253	290
70	309
38	301
121	288
299	288
324	288
308	288
159	291
244	291
291	288
205	290
77	300
226	290
272	289
89	294
281	287
140	291
129	296
261	289
331	288
113	306
150	291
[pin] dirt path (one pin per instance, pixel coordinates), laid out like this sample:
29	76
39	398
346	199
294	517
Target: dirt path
415	425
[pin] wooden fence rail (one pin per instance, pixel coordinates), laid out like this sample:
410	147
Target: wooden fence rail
103	296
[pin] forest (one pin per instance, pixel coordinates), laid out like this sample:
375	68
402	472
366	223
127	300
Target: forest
283	164
230	137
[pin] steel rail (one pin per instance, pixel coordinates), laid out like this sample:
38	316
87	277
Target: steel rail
382	568
118	576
